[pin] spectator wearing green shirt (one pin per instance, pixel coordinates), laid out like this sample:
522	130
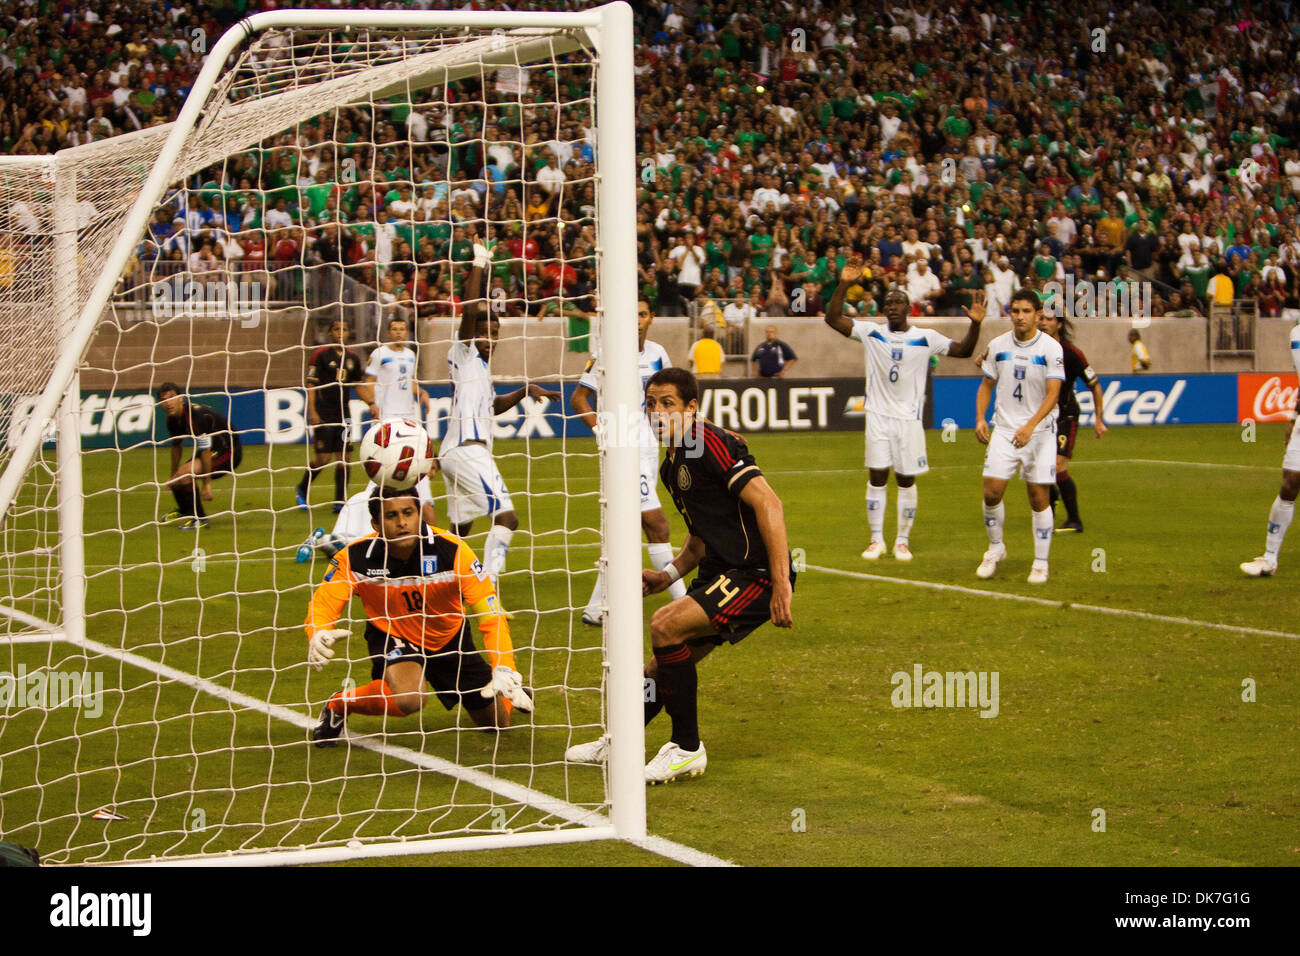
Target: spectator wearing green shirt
760	246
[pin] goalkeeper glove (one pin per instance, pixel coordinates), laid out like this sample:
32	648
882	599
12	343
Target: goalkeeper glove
320	650
507	683
483	254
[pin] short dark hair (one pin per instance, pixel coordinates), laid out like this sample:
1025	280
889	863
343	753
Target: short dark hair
169	387
382	494
688	389
398	318
1027	295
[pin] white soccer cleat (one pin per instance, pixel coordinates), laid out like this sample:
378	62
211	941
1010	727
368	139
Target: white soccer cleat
1038	573
672	762
989	563
874	550
595	752
901	551
1261	567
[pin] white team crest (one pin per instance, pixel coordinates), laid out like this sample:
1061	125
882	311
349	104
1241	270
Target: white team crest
896	355
429	564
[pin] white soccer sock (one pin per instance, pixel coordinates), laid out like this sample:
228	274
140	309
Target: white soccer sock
1043	534
876	498
661	555
994	518
597	599
1279	519
495	550
906	512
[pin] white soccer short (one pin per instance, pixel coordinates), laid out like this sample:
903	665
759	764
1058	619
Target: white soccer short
650	478
896	443
1291	460
474	486
1036	462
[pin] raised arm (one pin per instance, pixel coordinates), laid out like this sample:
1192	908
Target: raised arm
474	306
835	317
966	347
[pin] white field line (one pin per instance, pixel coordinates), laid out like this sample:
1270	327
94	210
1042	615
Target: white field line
504	788
1059	605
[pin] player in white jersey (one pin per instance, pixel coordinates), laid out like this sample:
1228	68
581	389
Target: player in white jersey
897	357
354	521
1280	515
653	357
391	387
1027	367
474	485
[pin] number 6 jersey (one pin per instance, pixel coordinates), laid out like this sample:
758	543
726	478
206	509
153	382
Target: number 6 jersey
896	367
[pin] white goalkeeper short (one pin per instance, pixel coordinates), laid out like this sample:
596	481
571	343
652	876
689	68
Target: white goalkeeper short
474	485
1036	462
1291	460
650	478
354	520
897	443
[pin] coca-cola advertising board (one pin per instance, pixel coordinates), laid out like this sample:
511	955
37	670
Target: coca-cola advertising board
1266	397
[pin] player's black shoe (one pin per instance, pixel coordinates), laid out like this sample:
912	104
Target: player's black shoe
1071	527
327	732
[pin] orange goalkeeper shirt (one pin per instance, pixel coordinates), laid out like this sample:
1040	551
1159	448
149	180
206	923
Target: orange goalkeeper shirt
423	599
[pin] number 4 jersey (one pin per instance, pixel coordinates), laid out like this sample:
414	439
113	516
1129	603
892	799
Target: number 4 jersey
896	367
1022	371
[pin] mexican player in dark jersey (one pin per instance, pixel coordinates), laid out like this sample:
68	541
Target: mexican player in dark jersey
333	369
217	452
737	541
1067	419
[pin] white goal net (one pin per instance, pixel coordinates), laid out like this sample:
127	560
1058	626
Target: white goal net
155	696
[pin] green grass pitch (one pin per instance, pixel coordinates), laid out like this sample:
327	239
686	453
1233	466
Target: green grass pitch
810	762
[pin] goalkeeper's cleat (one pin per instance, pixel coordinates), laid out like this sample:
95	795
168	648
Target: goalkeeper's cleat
874	550
1038	573
1071	527
595	752
330	728
901	551
194	524
672	762
1261	567
989	563
308	546
171	516
592	620
302	500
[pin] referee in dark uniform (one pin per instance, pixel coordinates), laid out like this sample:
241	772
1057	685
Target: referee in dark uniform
737	541
332	370
217	452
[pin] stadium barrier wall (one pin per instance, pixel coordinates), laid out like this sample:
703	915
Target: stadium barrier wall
204	351
279	415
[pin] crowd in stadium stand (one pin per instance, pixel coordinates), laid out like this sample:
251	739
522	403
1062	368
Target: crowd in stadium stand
955	147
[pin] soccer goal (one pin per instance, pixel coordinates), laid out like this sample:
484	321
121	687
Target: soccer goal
155	697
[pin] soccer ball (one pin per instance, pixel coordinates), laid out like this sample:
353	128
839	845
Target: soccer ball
397	453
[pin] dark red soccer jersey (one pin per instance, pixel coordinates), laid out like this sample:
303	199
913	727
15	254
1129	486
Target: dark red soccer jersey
1076	366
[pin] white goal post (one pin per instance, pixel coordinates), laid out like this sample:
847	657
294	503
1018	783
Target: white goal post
64	288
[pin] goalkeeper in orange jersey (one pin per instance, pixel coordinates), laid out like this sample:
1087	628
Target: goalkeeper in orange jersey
420	587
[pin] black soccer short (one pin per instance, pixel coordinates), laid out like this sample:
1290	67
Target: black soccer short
1065	431
329	438
457	672
225	463
736	600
